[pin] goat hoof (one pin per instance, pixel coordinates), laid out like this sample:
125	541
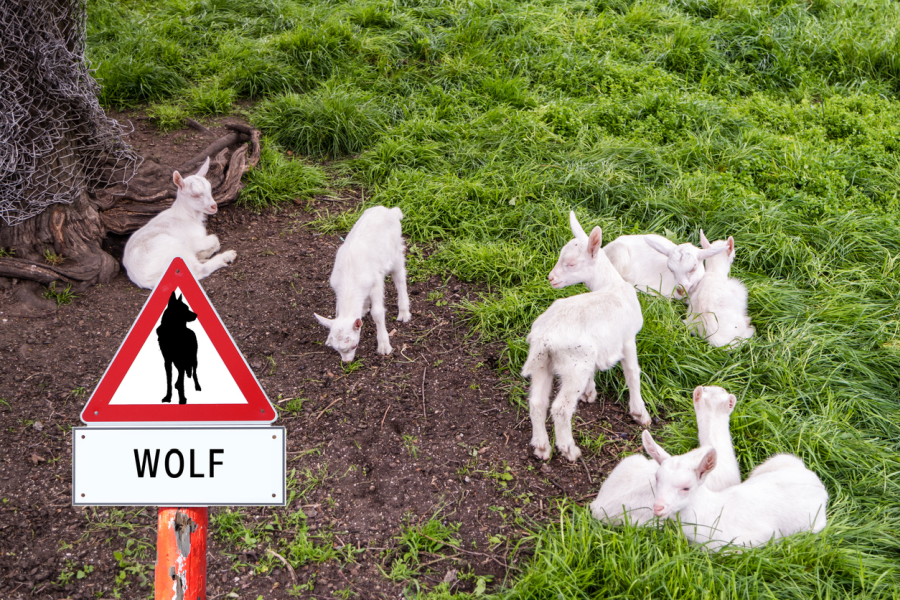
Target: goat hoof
642	418
541	449
229	256
386	349
589	398
542	453
571	452
404	317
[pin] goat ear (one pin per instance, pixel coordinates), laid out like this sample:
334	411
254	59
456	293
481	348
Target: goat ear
704	254
730	245
704	243
594	241
698	393
707	463
201	172
178	179
357	324
653	449
732	400
323	321
659	247
577	229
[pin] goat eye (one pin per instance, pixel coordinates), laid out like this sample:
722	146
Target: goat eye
687	489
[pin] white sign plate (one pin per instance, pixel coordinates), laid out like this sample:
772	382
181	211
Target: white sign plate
178	466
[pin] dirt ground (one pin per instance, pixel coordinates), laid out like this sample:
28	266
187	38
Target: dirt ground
428	430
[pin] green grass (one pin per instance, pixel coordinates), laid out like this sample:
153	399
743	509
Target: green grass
278	179
776	121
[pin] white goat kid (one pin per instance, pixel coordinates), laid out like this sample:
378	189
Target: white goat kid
638	264
372	250
777	500
630	488
575	337
685	261
717	307
180	230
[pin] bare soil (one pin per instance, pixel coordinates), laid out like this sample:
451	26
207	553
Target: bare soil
429	429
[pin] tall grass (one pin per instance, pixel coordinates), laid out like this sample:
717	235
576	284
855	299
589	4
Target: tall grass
776	121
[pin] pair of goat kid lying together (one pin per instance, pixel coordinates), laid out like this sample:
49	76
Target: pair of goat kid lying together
702	489
574	338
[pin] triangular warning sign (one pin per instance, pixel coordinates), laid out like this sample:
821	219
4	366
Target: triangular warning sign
178	333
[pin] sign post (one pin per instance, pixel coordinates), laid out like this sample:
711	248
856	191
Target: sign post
179	421
181	553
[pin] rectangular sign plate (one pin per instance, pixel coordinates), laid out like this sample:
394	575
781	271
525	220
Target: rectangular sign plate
178	466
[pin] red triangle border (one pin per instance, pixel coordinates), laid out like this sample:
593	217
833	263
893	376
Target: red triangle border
99	411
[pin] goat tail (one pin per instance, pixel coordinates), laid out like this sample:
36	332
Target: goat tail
398	212
538	358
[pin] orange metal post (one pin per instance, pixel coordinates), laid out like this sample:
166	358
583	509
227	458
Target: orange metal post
181	553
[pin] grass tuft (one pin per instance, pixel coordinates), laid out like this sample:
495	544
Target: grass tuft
332	122
278	179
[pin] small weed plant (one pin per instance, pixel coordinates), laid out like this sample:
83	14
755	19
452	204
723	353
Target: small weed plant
65	296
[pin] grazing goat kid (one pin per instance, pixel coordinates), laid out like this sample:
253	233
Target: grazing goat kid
777	500
180	230
630	487
637	264
575	337
373	249
717	307
685	261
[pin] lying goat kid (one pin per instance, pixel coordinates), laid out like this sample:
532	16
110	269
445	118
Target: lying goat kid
180	230
717	307
637	263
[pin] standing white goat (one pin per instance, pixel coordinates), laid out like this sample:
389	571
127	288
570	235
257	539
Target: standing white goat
685	261
372	250
180	230
717	307
575	337
630	487
776	500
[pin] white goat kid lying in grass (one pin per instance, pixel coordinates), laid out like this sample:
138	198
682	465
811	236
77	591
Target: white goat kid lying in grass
635	261
575	337
630	488
779	498
180	230
685	261
717	306
372	250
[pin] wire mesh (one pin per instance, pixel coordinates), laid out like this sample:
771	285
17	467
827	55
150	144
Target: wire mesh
55	140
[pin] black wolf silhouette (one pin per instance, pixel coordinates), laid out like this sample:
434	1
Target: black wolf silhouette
178	345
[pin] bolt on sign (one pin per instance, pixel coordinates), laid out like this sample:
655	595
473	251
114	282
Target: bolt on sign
179	420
